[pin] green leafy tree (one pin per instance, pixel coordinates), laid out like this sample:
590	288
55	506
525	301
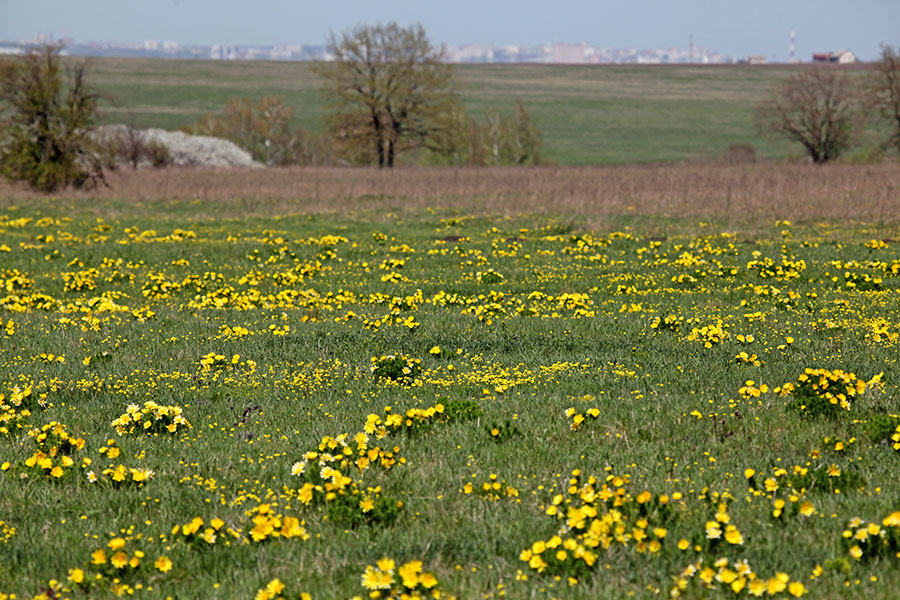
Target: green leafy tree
387	92
817	107
45	124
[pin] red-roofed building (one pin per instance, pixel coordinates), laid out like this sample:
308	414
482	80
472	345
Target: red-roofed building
841	56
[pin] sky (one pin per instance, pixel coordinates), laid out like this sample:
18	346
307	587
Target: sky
735	29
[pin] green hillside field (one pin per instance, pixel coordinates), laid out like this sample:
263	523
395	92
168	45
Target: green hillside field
588	114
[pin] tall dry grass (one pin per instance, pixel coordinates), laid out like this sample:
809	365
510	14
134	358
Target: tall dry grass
742	192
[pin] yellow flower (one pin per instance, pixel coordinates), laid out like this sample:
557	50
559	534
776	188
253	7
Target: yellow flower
757	587
409	573
892	520
776	584
375	579
76	575
712	530
733	536
796	589
727	576
119	560
274	587
428	580
386	564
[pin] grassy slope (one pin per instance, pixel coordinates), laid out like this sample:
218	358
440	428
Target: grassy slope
589	115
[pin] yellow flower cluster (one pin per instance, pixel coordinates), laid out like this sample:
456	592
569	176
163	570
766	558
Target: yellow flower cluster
25	397
492	489
117	567
862	282
751	390
409	581
55	447
396	367
747	359
596	514
195	530
579	417
11	417
875	244
267	524
824	390
870	540
150	418
7	531
767	268
709	335
9	328
734	576
414	419
335	454
722	529
667	323
489	276
328	481
273	591
122	474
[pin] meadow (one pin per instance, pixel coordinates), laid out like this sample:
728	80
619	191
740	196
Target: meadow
587	114
462	384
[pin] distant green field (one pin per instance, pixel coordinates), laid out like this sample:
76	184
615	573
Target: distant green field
588	114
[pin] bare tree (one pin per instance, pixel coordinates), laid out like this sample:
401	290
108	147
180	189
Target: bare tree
513	139
884	90
386	91
816	107
502	139
261	128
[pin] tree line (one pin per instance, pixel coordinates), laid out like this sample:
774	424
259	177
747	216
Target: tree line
825	108
390	99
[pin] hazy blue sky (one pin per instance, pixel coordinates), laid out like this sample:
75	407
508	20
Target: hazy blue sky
734	28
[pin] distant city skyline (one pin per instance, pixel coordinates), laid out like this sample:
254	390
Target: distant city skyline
733	29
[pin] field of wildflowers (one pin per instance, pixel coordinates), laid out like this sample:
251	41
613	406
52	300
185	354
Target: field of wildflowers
434	404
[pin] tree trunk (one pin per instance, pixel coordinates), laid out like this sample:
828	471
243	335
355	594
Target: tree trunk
379	139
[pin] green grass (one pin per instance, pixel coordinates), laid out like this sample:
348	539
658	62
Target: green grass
588	115
569	326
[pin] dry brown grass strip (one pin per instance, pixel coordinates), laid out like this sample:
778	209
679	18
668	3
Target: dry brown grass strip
744	192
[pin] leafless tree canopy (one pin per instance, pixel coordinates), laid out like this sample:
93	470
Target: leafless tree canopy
816	107
884	86
386	90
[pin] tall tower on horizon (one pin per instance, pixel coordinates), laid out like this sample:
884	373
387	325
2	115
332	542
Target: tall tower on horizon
793	46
